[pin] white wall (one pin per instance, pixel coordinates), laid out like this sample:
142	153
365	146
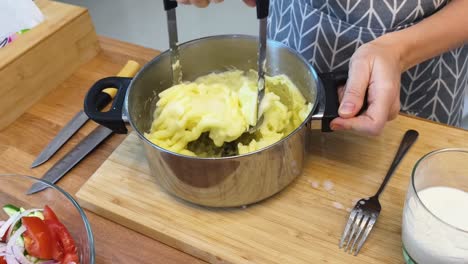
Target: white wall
144	21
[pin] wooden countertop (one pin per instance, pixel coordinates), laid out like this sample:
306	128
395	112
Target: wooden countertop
23	140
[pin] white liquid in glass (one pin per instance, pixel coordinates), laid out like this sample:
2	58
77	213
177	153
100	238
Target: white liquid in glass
428	240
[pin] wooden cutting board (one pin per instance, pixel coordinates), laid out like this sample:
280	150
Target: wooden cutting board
302	224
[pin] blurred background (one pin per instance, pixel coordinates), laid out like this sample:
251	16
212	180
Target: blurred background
145	23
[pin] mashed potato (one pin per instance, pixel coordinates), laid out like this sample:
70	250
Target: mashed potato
210	116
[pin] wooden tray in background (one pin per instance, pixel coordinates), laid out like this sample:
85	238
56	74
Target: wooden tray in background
302	224
41	59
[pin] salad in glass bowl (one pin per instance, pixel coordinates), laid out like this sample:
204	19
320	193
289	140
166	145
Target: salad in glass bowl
47	227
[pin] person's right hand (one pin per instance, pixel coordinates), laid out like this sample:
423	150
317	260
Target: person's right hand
205	3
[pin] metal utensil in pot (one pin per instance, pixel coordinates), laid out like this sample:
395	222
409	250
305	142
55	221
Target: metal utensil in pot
262	16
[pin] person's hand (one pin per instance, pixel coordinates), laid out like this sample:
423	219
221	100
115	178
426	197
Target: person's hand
375	67
205	3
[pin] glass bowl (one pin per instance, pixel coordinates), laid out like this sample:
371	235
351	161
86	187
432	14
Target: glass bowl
13	191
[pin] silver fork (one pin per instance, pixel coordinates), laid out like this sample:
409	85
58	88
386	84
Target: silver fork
366	211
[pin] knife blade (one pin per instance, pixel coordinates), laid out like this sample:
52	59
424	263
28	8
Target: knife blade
63	136
262	15
262	45
72	158
129	70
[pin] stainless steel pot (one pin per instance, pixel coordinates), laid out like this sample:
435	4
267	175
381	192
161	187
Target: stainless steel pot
229	181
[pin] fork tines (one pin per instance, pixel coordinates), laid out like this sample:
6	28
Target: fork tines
360	223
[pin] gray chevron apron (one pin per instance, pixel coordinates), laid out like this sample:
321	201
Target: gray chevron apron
327	32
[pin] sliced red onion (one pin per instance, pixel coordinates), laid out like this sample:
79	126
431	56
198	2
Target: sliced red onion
2	247
2	222
19	255
12	252
15	237
10	259
8	223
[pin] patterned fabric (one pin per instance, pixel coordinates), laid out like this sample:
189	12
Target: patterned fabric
327	32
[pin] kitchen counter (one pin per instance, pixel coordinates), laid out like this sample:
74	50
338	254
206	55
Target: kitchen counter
24	139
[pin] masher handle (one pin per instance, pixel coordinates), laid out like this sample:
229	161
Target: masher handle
169	4
263	7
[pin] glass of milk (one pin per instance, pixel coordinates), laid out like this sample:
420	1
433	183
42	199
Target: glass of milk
435	216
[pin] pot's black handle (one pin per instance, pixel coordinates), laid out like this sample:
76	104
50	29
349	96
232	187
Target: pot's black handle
169	4
111	119
331	81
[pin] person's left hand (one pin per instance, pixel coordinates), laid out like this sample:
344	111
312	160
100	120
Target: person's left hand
375	67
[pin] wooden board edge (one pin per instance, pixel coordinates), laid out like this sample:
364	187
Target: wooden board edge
162	237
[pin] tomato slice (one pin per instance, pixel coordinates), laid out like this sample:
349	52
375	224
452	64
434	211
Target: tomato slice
66	248
70	259
2	260
57	249
49	214
37	238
